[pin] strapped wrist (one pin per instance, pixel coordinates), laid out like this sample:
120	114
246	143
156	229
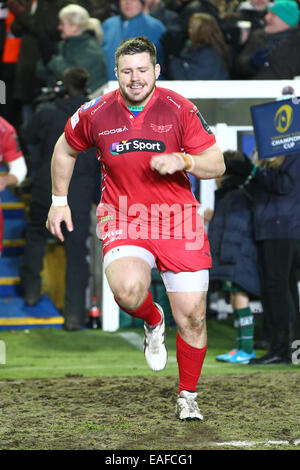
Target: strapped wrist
188	160
59	201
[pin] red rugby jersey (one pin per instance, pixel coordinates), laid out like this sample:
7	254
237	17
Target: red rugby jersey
125	144
9	147
9	151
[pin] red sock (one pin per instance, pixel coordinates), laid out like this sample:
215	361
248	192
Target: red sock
190	361
147	311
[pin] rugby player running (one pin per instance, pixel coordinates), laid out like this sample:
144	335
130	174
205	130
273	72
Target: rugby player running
147	139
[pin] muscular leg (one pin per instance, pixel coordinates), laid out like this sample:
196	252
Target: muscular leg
189	311
129	279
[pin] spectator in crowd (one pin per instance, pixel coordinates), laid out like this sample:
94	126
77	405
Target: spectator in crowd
43	130
172	40
34	20
158	10
89	5
275	189
272	53
223	11
253	11
238	25
205	56
219	9
101	10
3	16
10	56
10	154
234	253
186	8
80	46
131	22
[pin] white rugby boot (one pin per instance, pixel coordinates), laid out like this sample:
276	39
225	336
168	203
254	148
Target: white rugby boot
155	349
187	407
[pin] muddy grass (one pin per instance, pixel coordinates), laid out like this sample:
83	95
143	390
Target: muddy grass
77	413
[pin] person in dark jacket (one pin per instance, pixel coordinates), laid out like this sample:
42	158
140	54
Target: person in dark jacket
205	56
272	52
43	129
172	39
234	253
158	10
36	24
101	10
275	189
186	8
33	22
80	46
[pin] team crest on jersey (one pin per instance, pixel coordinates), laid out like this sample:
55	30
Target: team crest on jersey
161	129
137	145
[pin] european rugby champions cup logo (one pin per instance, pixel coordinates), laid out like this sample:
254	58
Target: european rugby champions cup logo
283	118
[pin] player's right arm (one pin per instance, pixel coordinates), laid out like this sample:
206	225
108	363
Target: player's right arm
62	165
76	138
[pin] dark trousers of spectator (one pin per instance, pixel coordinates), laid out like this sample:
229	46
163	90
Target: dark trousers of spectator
280	299
77	267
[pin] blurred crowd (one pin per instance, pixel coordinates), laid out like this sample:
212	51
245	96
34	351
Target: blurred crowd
195	40
55	53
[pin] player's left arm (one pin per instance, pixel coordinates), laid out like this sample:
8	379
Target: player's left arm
205	165
15	161
17	171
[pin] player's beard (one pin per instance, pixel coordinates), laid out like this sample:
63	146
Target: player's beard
141	98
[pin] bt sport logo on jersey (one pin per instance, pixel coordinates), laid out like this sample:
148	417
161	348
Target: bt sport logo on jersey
137	145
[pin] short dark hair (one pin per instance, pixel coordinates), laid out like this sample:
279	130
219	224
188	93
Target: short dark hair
136	45
76	79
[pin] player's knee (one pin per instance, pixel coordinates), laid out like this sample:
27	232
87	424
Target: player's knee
194	319
131	294
197	322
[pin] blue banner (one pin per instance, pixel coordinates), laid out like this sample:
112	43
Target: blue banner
277	127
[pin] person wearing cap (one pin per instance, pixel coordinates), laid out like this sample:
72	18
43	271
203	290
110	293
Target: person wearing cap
272	52
131	22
